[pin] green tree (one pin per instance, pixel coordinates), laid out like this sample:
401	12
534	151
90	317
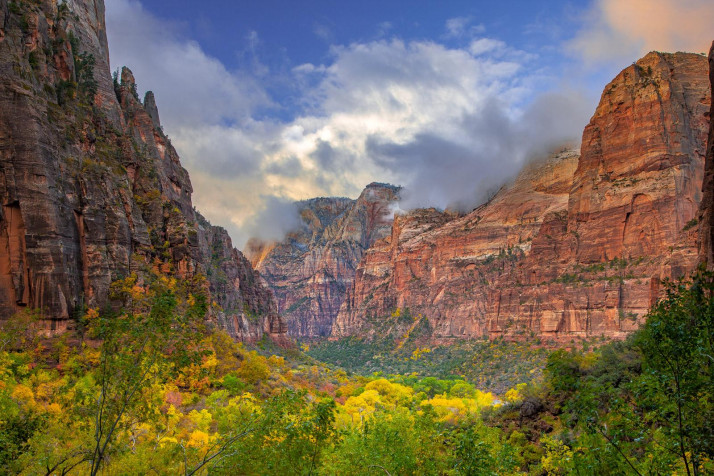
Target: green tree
289	436
678	347
648	396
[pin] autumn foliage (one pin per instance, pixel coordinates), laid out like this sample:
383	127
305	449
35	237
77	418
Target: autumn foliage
150	387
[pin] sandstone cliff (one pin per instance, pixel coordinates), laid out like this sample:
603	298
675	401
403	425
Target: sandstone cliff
706	230
91	188
439	266
576	247
311	270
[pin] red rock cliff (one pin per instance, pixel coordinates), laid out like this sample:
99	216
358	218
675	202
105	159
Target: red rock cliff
442	266
90	186
631	212
311	270
575	247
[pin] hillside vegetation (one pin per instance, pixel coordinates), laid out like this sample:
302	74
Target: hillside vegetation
495	366
149	388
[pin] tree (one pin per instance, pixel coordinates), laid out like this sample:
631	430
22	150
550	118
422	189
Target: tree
137	346
289	437
678	347
650	395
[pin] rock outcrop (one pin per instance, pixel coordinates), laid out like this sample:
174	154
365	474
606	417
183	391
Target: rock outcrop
312	268
91	188
576	247
706	229
442	266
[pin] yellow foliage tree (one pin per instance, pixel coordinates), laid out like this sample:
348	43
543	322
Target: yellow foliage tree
392	393
254	368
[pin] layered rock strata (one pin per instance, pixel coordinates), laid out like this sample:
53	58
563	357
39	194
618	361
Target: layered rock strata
91	188
441	266
312	268
574	248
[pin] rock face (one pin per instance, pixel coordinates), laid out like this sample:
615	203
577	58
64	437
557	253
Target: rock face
441	266
311	270
91	188
706	230
577	246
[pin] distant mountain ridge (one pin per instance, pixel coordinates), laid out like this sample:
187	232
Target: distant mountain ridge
576	247
312	268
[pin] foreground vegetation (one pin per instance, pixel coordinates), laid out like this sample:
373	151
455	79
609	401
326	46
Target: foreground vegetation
150	389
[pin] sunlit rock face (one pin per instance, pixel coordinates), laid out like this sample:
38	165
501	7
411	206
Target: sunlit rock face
92	189
312	268
441	265
577	246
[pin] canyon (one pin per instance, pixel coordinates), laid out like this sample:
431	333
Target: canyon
562	325
311	270
577	246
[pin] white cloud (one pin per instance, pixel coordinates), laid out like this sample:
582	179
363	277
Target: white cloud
307	68
384	28
447	123
494	146
486	45
621	30
458	27
323	32
192	87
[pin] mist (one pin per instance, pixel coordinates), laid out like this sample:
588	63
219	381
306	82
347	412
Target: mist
442	173
276	218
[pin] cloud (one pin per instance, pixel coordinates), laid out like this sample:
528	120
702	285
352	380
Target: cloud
486	45
384	28
455	26
458	27
460	174
275	218
237	156
447	123
619	30
308	68
192	88
444	122
323	32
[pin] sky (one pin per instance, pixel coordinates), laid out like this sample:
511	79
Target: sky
275	101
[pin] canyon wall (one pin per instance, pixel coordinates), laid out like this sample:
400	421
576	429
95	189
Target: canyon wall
91	188
311	270
441	266
577	246
706	230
